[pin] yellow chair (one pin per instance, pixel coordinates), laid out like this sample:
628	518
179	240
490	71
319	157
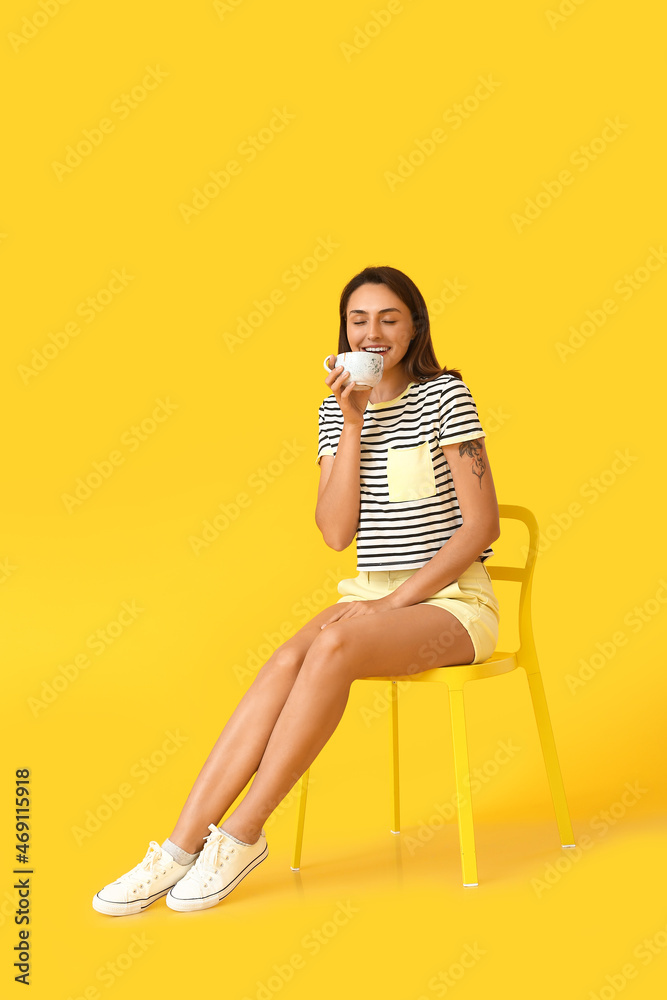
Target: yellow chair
455	677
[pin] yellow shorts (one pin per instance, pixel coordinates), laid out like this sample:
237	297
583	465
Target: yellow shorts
471	599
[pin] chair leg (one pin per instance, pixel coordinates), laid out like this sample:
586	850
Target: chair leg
462	771
550	758
302	817
395	799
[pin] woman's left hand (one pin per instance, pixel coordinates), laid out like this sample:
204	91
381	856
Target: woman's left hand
352	609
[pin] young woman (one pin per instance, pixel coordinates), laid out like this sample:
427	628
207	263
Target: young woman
403	466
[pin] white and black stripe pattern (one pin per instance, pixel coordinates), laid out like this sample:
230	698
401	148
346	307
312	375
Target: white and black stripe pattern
406	534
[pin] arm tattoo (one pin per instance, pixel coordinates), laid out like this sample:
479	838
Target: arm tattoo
474	449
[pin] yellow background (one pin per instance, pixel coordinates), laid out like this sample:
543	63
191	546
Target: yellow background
556	424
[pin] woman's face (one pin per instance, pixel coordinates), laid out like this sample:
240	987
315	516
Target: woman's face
376	317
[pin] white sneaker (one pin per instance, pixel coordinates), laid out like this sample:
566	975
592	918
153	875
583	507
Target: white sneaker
149	880
219	868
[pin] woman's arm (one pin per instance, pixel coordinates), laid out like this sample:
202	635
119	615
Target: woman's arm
338	495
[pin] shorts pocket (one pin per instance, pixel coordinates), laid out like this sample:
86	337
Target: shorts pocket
488	594
410	473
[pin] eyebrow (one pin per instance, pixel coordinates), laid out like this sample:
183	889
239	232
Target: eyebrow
388	310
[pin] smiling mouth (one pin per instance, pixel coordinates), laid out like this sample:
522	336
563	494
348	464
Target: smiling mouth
376	350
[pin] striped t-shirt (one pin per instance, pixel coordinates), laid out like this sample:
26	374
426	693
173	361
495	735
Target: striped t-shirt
408	504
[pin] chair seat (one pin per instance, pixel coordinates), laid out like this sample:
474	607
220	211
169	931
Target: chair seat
497	663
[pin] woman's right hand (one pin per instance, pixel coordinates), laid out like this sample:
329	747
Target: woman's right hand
351	401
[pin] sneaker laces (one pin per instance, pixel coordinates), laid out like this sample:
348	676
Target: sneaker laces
141	872
216	850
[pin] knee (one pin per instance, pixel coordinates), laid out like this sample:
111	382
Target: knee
285	661
328	653
332	640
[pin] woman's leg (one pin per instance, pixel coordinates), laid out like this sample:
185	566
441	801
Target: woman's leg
401	641
239	748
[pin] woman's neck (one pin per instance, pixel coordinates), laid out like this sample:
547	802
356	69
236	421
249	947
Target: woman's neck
389	387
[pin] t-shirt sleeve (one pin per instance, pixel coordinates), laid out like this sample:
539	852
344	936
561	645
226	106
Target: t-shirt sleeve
324	443
458	417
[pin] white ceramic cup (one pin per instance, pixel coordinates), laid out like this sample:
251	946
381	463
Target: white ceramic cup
365	369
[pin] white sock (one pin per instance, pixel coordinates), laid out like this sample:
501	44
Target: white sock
180	856
236	841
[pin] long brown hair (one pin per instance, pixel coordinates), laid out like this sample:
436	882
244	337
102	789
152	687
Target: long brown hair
420	363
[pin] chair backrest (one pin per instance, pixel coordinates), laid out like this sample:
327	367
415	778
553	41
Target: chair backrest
521	574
